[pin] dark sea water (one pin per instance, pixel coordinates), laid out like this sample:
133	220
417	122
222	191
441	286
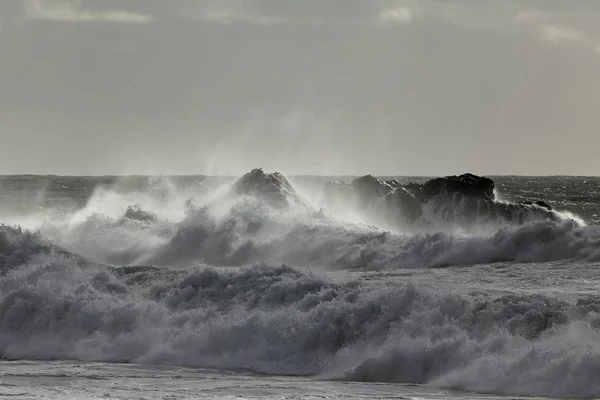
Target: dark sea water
170	287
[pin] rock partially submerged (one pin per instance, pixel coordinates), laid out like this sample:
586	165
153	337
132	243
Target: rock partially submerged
389	200
136	213
272	188
463	199
467	185
369	187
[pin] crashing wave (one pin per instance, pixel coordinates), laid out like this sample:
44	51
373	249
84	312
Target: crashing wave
266	317
232	231
246	236
466	200
280	320
19	248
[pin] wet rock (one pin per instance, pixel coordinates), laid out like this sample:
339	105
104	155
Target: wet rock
387	200
402	205
136	213
369	188
462	199
539	203
395	183
465	185
273	188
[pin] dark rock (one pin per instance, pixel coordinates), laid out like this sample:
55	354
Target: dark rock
273	188
539	203
416	189
543	204
386	200
465	185
136	213
465	200
395	183
402	205
368	188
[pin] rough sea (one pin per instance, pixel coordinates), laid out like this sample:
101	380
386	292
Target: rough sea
170	288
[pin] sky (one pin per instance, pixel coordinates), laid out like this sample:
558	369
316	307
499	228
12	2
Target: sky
327	87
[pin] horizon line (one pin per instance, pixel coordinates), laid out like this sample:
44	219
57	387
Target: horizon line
294	175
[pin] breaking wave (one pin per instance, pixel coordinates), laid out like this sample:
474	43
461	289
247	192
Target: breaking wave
277	319
231	282
242	238
223	230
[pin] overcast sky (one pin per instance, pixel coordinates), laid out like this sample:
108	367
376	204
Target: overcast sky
302	86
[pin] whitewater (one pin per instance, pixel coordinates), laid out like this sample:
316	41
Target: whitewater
202	287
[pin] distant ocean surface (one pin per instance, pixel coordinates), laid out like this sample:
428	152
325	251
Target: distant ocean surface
170	287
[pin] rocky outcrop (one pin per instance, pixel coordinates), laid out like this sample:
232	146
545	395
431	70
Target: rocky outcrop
463	199
467	185
136	213
460	199
387	200
402	206
368	187
539	203
272	188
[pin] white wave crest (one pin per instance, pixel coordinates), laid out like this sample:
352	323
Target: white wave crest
281	320
226	231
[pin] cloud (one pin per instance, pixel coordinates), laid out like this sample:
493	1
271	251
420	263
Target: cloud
576	27
557	34
532	15
72	11
306	12
396	15
568	35
229	17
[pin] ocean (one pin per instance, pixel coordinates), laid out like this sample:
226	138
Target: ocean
179	287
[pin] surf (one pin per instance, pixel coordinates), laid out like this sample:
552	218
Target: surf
257	275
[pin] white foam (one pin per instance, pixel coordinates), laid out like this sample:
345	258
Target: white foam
279	320
219	229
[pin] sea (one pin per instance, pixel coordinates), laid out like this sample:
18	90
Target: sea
170	287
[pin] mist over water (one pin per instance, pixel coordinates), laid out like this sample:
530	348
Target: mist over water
248	283
185	272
